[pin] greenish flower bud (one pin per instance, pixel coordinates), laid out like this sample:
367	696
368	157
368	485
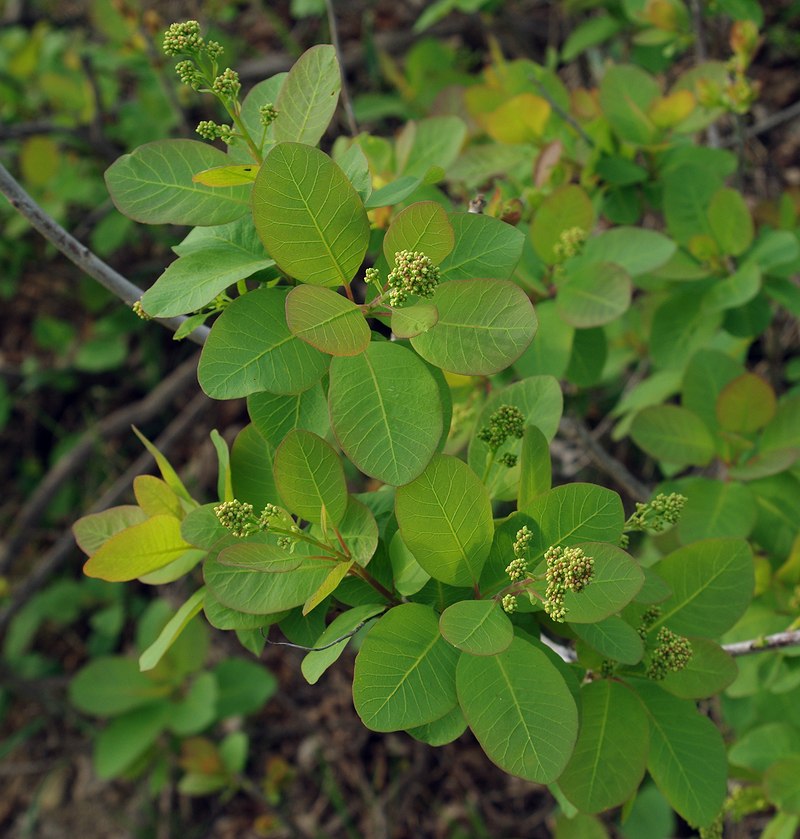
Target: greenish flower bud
214	49
183	38
648	619
507	421
227	84
568	569
509	603
523	541
210	130
517	569
267	114
414	273
236	516
569	243
189	74
139	311
672	653
509	460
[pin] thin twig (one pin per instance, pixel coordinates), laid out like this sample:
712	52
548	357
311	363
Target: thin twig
326	646
766	124
575	430
346	101
565	115
69	464
64	547
79	254
700	55
761	645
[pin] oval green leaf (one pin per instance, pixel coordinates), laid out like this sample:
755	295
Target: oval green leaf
153	184
477	627
326	320
275	415
385	412
484	325
250	349
484	247
610	755
422	226
566	208
746	404
309	476
309	216
593	295
405	671
411	321
673	435
445	518
520	709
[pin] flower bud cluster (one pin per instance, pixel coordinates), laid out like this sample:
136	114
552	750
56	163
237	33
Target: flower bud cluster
183	39
227	84
509	460
648	619
507	421
139	311
210	130
237	516
672	653
189	74
658	514
267	114
569	242
414	273
510	604
568	569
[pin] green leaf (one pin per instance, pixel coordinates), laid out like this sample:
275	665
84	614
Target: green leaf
477	627
549	352
636	250
764	745
326	320
445	517
154	185
429	142
112	685
235	175
484	326
310	477
405	671
566	208
173	628
709	671
422	226
617	580
121	743
258	557
731	222
687	755
687	193
214	259
169	475
588	358
409	576
411	321
329	585
442	731
712	583
715	509
261	592
626	94
250	349
309	217
138	550
251	468
92	531
393	193
782	784
156	497
224	485
593	295
613	638
274	415
783	430
610	755
520	709
574	513
535	468
707	373
485	247
673	434
319	660
590	33
734	291
353	162
746	404
385	412
308	97
359	530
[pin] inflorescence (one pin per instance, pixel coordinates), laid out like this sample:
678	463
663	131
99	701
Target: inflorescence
568	569
414	273
671	654
656	515
241	520
570	242
507	421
